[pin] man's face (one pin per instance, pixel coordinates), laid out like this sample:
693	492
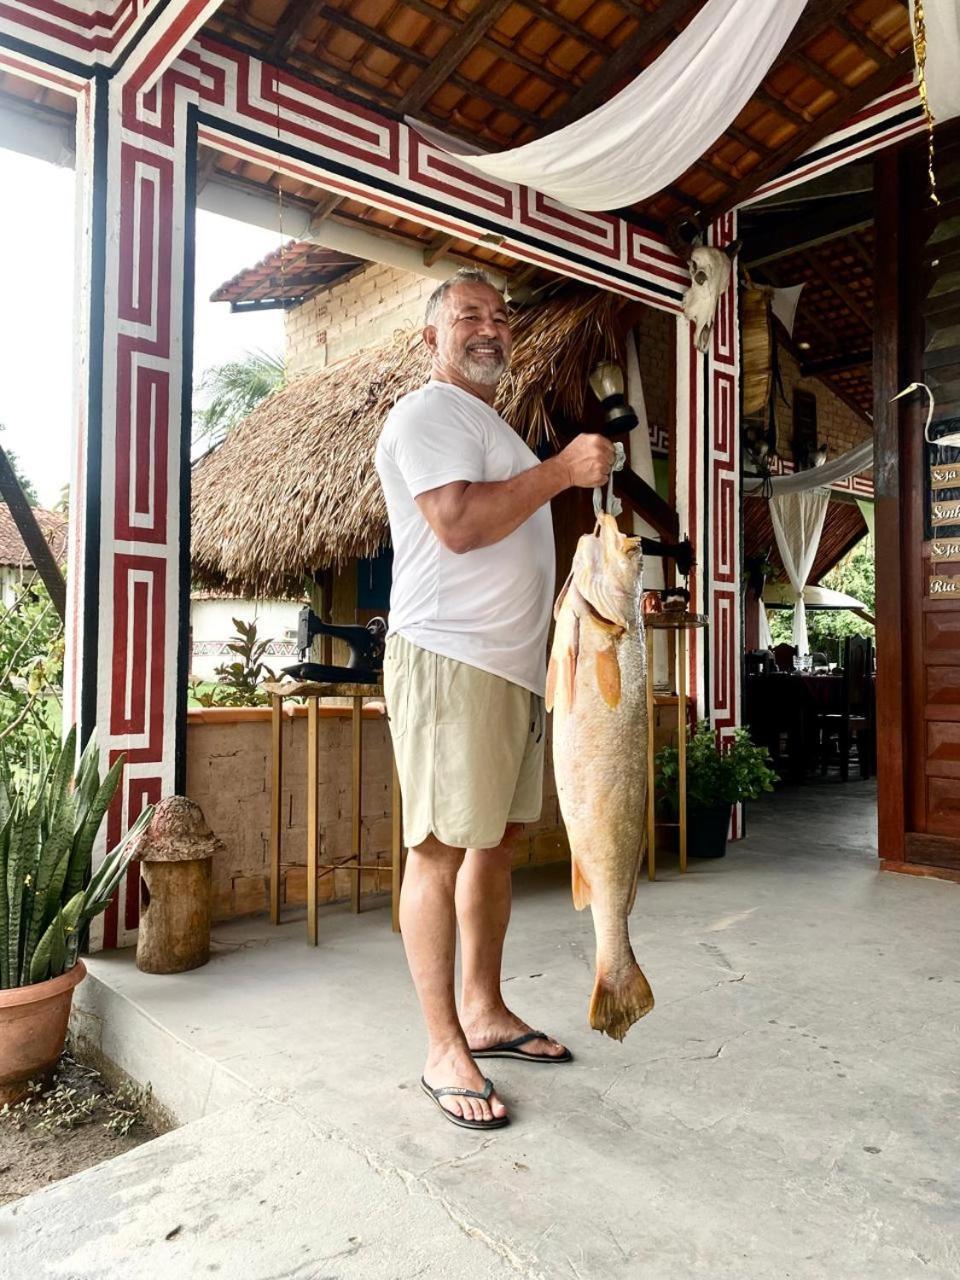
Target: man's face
472	334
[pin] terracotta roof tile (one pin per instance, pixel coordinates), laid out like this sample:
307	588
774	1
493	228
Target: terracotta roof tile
12	550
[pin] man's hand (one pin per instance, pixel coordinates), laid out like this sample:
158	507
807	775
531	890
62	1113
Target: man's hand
588	460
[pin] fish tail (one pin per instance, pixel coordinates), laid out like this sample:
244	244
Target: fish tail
619	1000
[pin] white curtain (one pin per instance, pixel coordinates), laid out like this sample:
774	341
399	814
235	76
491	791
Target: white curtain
851	463
797	523
650	133
766	639
942	20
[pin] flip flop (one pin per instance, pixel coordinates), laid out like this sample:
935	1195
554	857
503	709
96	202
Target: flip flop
451	1090
511	1049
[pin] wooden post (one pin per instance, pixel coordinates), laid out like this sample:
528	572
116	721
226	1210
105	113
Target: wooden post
890	533
651	772
313	822
276	803
682	744
356	798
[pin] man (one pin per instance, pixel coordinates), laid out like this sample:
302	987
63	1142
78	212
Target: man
464	675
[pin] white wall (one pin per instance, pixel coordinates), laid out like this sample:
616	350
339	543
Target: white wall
211	627
12	581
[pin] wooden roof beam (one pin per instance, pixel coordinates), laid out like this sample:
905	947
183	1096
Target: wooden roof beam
538	10
800	119
779	235
860	251
626	59
863	41
452	54
338	18
818	14
816	72
332	200
437	248
842	363
294	18
846	295
833	118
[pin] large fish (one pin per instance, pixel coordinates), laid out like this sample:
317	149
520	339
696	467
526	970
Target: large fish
596	690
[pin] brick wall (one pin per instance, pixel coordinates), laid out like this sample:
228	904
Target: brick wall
839	425
229	777
366	309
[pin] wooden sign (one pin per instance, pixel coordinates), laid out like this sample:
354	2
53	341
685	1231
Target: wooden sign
945	586
943	513
948	552
945	477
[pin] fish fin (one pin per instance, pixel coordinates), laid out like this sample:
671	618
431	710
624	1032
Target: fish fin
618	1002
562	596
551	688
568	669
641	854
582	893
608	675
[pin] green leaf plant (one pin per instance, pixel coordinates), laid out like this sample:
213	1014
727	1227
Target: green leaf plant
717	774
49	819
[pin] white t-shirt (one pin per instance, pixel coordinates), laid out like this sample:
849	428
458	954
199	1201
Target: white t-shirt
490	607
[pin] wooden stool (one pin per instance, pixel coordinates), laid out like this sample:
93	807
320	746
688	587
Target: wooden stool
354	862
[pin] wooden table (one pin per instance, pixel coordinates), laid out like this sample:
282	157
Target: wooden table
279	690
788	703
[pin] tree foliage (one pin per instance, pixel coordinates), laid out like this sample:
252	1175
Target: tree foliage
233	390
31	674
827	629
26	484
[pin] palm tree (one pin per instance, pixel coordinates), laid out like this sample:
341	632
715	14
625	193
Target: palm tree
234	390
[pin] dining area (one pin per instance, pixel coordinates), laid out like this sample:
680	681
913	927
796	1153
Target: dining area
816	718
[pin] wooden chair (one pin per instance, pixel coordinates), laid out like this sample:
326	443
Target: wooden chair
854	722
783	655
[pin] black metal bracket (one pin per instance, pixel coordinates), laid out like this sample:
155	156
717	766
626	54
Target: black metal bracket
680	552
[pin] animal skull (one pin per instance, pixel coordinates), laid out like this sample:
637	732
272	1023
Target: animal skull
709	273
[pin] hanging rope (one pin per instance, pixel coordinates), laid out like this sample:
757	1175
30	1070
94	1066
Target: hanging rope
920	53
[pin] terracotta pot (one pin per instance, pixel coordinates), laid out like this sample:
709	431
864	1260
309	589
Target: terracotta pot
33	1028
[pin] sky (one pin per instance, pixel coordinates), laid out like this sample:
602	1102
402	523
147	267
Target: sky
37	317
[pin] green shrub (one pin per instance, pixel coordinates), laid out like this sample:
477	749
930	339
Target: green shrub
49	819
739	770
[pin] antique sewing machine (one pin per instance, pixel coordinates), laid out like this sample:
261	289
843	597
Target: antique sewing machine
366	644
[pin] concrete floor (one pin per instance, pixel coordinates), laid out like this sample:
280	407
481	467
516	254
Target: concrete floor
788	1110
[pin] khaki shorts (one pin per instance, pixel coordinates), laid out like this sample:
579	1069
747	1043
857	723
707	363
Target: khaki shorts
468	746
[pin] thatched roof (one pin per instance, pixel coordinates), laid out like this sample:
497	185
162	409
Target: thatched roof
293	488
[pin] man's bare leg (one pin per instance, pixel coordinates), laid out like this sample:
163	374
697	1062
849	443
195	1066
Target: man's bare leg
428	927
484	895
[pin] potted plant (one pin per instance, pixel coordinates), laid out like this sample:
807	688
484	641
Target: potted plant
49	820
718	777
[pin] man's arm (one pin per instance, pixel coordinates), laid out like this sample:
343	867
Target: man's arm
466	516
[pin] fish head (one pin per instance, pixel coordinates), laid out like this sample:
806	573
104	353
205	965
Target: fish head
606	572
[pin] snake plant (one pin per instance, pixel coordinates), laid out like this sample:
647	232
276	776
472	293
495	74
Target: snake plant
49	819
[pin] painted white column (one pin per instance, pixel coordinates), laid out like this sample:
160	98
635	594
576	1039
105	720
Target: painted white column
708	501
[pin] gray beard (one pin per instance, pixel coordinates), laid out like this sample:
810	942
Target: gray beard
482	372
